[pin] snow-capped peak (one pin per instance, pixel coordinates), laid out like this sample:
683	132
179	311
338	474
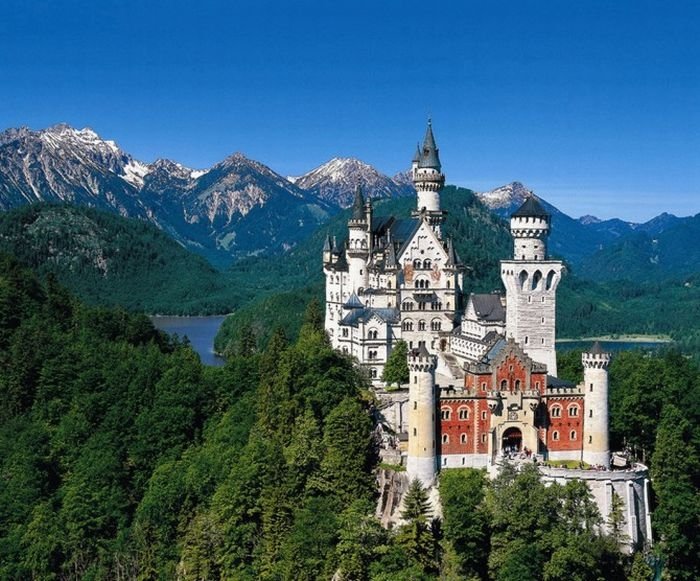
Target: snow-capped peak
505	196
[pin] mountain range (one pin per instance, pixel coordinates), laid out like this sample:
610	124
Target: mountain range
240	207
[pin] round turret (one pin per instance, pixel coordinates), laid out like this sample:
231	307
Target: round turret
427	176
529	226
422	451
596	446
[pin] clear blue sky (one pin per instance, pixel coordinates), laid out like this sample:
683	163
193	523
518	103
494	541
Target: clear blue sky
595	104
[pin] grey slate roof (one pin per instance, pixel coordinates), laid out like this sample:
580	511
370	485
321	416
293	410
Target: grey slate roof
596	349
453	258
356	316
488	307
358	205
416	156
556	382
531	208
492	353
429	156
327	244
354	302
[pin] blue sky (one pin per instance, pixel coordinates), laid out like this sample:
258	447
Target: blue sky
594	105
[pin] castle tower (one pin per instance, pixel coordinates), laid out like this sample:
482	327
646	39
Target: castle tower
422	450
429	180
596	447
359	241
531	282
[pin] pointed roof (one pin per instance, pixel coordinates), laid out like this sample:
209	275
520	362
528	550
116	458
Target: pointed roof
390	261
416	156
354	302
596	349
421	351
429	155
358	205
452	256
531	208
328	244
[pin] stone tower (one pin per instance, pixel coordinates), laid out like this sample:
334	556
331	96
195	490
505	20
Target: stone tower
422	450
596	448
428	179
359	241
531	282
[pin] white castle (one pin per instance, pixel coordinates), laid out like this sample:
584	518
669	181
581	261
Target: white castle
483	376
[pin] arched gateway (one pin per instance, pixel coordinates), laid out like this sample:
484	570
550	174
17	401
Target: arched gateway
512	440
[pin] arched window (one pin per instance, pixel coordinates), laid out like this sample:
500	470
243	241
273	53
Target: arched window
463	413
463	438
416	263
445	439
445	413
504	384
372	334
427	264
522	278
572	435
536	279
421	325
555	436
373	373
573	410
407	325
517	384
555	411
435	325
550	279
408	305
483	438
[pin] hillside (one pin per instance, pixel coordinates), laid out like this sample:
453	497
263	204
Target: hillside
109	260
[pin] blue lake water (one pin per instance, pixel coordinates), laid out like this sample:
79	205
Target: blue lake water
613	346
199	330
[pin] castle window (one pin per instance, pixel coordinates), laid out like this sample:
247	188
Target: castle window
415	405
408	306
504	384
529	299
445	414
463	438
483	415
542	340
522	277
517	384
463	413
555	411
483	385
345	350
445	439
448	284
526	339
483	438
550	279
416	263
590	439
543	319
372	334
590	388
421	325
435	325
407	325
444	461
345	332
573	411
373	373
590	413
537	384
415	432
572	435
388	284
555	436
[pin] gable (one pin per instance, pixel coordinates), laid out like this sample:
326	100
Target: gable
421	245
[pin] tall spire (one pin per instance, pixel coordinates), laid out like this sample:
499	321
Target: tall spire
358	205
429	155
417	155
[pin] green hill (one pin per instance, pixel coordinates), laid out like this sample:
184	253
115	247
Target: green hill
110	260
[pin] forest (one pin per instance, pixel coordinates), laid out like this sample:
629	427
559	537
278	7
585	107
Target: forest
123	457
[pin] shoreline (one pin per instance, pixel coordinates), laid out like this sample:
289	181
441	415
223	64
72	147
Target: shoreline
621	339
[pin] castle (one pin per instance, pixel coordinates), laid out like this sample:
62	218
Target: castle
483	375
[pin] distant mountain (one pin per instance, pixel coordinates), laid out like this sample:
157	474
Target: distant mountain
577	240
238	207
672	252
110	260
335	182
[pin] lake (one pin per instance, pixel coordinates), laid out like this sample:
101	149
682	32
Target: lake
199	330
613	346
